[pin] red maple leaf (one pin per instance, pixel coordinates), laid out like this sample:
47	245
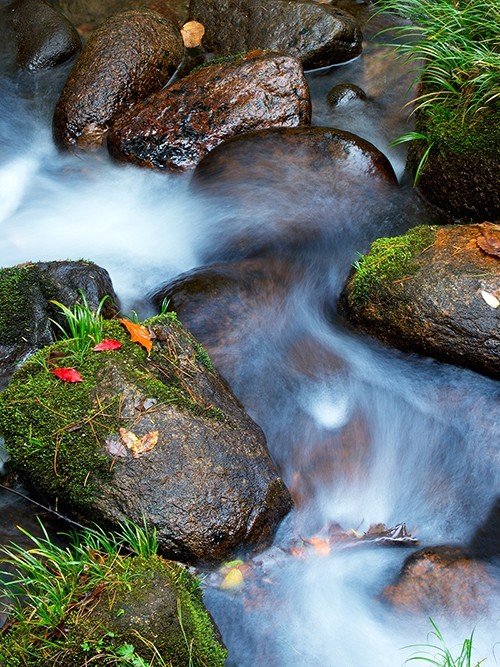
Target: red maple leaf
107	344
67	374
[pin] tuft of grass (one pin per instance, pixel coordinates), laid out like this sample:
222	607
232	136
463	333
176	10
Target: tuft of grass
440	655
84	325
458	43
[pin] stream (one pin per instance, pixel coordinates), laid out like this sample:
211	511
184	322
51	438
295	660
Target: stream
361	433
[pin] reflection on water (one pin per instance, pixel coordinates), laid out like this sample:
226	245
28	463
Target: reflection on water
360	433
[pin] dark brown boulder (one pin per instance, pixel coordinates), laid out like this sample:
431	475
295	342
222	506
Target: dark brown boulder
155	437
344	93
174	128
131	55
433	290
442	579
45	37
87	15
25	308
318	34
298	182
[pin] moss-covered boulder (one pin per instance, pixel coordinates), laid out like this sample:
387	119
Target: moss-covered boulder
434	290
25	304
131	55
143	610
461	174
157	435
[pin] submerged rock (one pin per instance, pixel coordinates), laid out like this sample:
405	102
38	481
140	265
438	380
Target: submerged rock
25	308
131	55
45	37
288	186
157	436
174	128
344	93
442	579
434	291
318	34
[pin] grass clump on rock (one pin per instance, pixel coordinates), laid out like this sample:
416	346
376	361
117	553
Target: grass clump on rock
390	258
105	599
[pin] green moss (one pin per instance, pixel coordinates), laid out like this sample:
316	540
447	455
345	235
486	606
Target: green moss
18	295
451	133
390	259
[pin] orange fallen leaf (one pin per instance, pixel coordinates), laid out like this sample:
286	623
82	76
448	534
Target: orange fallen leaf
320	546
138	333
489	242
192	33
139	446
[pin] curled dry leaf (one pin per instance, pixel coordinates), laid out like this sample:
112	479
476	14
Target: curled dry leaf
138	333
67	374
192	33
489	242
107	344
115	446
139	446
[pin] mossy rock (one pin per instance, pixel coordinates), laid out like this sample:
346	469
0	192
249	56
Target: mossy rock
207	484
433	290
153	608
461	175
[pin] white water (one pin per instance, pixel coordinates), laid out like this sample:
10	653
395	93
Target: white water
424	441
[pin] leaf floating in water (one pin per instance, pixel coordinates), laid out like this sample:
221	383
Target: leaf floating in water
107	344
139	446
138	333
490	299
233	580
67	374
489	242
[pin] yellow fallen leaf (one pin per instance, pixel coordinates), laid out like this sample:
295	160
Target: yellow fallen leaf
192	33
139	446
490	299
233	580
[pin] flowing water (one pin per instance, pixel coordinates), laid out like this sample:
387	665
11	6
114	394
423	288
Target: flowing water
361	433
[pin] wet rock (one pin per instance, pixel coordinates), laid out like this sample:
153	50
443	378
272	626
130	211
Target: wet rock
176	127
465	185
344	93
131	55
45	37
298	183
433	291
442	579
87	15
172	444
318	34
485	542
25	308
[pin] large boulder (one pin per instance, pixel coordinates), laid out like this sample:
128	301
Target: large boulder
442	579
300	184
131	55
318	34
45	37
25	304
87	15
174	128
155	436
434	290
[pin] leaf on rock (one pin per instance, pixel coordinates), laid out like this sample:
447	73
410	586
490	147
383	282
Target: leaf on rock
192	33
115	446
138	333
107	344
490	299
67	374
489	242
139	446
